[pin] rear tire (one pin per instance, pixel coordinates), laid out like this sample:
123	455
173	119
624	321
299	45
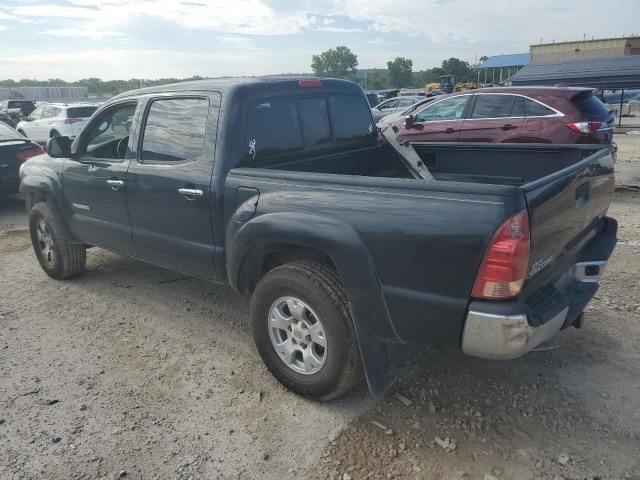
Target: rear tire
57	252
315	353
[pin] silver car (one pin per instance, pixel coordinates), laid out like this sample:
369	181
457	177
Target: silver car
393	105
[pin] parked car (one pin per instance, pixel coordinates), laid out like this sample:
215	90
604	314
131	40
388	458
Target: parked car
373	98
14	149
392	105
512	115
343	241
401	114
6	119
54	120
17	109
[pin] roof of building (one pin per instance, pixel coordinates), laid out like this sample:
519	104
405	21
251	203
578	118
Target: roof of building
610	73
586	40
511	60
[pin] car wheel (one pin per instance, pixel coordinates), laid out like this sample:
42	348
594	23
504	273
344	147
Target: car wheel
303	330
57	252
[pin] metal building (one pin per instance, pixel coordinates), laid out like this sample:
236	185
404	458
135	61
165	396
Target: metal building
583	49
499	68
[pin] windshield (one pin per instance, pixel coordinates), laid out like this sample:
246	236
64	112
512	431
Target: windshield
6	132
21	104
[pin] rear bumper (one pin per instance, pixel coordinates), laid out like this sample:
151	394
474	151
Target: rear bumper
508	330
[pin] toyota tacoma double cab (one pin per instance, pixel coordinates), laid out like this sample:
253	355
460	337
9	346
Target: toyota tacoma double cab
346	241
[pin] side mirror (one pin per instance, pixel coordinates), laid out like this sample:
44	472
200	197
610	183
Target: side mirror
59	147
409	120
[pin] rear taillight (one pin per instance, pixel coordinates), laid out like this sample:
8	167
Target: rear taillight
72	120
32	152
505	264
310	83
588	127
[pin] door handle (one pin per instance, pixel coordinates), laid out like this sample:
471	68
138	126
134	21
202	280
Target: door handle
115	184
508	127
450	130
190	193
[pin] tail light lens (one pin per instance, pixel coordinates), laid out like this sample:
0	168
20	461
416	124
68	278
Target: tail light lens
588	127
69	121
506	262
32	152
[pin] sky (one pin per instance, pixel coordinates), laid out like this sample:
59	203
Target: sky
122	39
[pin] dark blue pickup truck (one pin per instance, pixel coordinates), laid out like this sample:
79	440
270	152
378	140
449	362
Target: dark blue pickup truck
345	240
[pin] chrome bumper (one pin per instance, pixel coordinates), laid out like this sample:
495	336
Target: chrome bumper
503	337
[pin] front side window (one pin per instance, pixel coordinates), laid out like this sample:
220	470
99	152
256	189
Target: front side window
175	130
449	109
493	106
108	136
387	105
37	113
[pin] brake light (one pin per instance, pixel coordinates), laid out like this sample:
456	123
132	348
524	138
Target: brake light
588	127
69	121
506	262
32	152
310	83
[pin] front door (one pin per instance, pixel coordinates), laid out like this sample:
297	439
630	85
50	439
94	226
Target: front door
169	184
439	121
33	128
95	182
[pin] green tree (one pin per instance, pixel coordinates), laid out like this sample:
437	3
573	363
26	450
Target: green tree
375	81
457	67
400	72
339	62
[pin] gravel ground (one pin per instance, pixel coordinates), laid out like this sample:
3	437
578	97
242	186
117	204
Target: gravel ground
130	371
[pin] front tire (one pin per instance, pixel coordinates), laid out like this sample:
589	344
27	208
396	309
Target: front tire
57	252
303	330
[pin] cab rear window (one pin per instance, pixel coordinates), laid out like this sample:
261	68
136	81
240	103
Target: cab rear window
80	112
283	127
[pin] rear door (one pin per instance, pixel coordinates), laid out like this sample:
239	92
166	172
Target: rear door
492	119
566	210
169	184
439	121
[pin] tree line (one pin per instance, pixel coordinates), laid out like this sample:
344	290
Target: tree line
95	86
341	62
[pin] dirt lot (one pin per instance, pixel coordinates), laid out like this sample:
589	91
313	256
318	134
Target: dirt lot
135	372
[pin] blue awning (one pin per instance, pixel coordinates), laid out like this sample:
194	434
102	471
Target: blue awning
511	60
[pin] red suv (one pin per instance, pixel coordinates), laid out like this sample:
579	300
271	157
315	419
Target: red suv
512	115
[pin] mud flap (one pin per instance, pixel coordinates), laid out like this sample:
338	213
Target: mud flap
378	362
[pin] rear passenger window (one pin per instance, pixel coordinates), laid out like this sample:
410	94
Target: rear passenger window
175	130
351	118
535	109
493	106
271	128
518	108
314	119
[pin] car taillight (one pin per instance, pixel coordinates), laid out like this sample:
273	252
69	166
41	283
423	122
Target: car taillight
310	83
588	127
505	264
72	120
32	152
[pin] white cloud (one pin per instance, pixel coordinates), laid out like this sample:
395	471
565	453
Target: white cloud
338	29
240	42
6	16
376	41
82	33
3	27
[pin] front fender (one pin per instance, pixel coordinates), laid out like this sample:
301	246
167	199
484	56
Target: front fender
340	242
